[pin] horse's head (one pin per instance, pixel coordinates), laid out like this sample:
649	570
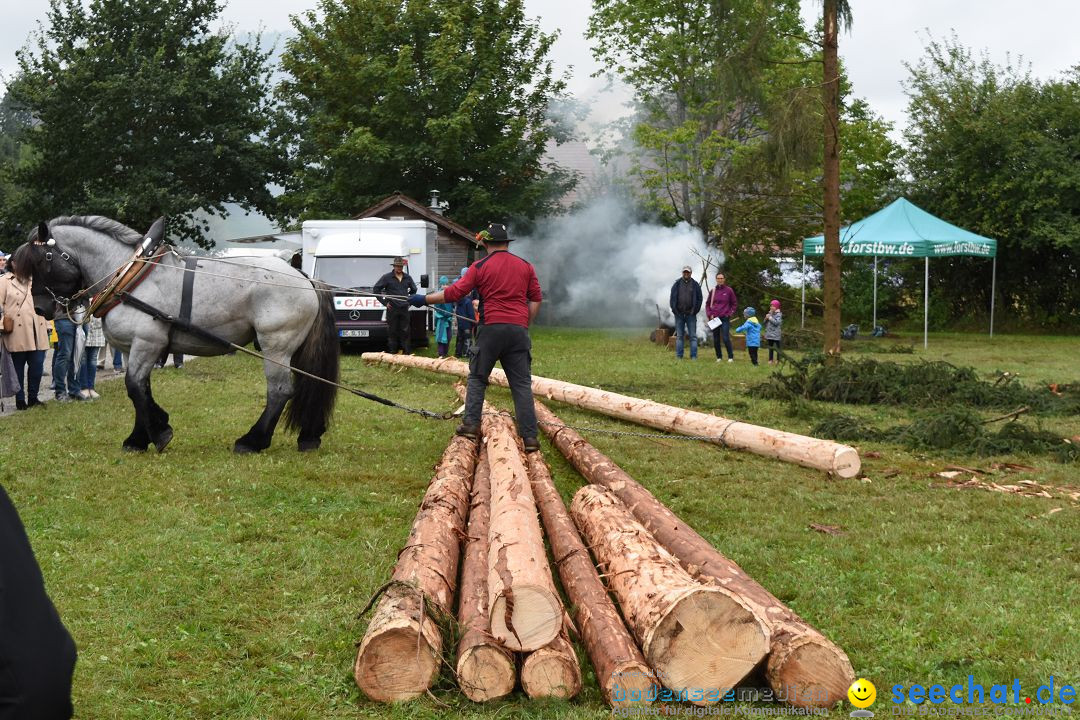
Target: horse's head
55	271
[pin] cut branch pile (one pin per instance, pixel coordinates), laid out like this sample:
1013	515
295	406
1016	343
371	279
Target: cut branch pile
825	455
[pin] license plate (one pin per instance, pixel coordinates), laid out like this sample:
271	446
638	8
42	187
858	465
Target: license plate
355	333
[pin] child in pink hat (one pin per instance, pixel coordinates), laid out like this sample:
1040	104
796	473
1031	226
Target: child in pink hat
773	320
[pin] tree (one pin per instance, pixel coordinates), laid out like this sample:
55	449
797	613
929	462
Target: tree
994	150
139	110
450	95
13	122
723	122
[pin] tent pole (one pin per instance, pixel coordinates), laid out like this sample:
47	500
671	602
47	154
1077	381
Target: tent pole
993	284
803	291
874	325
926	302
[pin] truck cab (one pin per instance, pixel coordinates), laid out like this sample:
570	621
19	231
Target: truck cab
351	255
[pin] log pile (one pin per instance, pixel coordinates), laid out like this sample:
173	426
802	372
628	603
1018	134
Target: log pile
804	666
826	455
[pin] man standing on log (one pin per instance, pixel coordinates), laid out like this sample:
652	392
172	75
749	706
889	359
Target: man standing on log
397	285
510	297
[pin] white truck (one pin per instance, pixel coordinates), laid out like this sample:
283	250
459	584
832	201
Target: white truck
354	254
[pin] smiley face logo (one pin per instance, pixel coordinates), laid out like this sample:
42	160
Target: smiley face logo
862	693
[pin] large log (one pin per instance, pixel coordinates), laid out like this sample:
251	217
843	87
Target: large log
622	673
841	460
804	667
701	640
485	670
552	671
400	653
525	612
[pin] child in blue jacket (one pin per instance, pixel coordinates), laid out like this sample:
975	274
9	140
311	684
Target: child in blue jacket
752	328
444	322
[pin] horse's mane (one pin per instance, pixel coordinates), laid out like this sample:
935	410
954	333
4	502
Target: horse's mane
112	228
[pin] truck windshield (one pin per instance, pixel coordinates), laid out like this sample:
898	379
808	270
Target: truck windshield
351	272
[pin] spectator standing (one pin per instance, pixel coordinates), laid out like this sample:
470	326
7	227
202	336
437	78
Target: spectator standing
29	336
444	321
64	383
722	304
3	262
95	340
466	321
773	320
752	328
685	303
393	289
510	298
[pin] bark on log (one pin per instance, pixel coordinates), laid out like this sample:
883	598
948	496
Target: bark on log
804	667
701	639
525	612
485	670
399	656
841	460
552	671
622	673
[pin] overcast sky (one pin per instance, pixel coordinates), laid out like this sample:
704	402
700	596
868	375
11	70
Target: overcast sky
883	37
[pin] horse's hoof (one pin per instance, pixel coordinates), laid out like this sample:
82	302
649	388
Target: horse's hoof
241	449
307	445
134	448
162	440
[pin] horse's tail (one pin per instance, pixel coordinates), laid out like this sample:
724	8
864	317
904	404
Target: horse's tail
312	403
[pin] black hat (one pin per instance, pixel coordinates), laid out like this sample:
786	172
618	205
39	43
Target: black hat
398	262
497	232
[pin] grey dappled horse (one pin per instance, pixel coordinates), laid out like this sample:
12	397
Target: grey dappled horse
240	300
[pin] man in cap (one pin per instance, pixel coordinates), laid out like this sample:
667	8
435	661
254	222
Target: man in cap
393	288
510	297
685	303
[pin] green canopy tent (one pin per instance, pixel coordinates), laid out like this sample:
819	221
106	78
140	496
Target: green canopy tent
904	230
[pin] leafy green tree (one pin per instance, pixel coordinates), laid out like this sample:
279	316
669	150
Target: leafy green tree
13	122
994	150
725	114
140	110
448	95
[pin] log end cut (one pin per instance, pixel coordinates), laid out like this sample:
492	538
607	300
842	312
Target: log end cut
552	672
534	619
811	673
631	684
707	641
396	665
486	672
846	463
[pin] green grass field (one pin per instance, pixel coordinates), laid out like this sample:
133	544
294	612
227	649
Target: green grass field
199	584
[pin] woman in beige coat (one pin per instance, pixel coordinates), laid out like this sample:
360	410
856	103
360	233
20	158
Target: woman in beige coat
29	337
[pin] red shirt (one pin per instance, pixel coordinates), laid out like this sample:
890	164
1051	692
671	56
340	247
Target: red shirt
506	285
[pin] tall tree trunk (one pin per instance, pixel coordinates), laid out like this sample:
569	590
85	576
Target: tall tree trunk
831	92
622	673
831	457
400	654
804	667
485	670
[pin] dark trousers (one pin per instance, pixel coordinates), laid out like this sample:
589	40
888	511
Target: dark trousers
63	367
37	655
722	333
397	329
464	339
34	363
774	344
509	344
753	354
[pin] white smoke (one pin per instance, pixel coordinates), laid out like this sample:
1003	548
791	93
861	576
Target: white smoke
599	267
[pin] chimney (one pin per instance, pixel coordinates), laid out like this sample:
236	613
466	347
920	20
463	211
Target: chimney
437	206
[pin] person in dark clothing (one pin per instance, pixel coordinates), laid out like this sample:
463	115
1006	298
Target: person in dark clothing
466	321
685	304
37	654
721	305
510	298
398	286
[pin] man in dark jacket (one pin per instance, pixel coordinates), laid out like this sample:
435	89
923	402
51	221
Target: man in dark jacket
37	655
399	286
685	304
